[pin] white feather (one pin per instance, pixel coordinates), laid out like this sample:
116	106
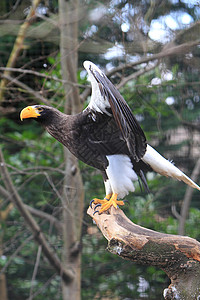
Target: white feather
97	102
121	174
165	167
88	64
108	187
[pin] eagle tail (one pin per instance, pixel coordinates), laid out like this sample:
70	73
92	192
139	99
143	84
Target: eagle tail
164	167
189	181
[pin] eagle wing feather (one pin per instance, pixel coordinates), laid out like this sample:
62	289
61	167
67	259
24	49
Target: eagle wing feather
125	120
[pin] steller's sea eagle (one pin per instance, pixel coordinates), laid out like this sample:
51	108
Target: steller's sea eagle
107	136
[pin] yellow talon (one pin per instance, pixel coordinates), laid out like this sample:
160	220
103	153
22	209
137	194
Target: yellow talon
99	201
106	204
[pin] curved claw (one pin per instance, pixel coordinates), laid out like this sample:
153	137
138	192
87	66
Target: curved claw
95	212
91	202
96	206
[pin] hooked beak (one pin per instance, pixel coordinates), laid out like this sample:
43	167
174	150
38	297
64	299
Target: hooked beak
29	112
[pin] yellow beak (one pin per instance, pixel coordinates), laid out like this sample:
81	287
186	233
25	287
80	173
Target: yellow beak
29	112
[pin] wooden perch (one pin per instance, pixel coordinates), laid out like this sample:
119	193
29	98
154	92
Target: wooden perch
178	256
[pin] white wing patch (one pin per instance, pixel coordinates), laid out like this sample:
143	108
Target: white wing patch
121	174
97	102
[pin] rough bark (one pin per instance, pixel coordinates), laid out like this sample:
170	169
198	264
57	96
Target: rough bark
178	256
73	194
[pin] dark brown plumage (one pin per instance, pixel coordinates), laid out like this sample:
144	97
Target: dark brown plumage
108	137
88	138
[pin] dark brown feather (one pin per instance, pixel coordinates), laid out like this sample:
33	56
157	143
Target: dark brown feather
127	123
89	138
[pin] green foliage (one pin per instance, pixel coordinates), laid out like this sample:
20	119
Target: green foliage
35	160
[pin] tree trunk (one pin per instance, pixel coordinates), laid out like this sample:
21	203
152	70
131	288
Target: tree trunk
187	199
73	194
72	218
3	217
178	256
3	287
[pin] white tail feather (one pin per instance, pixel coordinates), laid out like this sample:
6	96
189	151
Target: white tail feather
164	167
189	181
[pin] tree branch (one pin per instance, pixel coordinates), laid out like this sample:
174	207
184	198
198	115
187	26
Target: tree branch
38	213
18	45
67	275
48	217
178	256
134	75
26	88
38	74
193	126
168	50
13	9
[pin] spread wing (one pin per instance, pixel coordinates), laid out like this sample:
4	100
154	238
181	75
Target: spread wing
107	99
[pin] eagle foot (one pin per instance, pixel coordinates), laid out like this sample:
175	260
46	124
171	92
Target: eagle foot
99	201
106	203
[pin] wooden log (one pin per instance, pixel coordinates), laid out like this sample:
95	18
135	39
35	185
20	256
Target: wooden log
178	256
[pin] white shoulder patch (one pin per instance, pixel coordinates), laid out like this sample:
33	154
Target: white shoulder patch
88	64
97	102
121	174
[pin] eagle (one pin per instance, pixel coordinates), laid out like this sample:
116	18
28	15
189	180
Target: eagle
107	136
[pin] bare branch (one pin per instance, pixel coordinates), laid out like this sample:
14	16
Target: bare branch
166	52
35	271
38	170
18	44
45	285
190	124
38	74
169	50
4	192
184	122
133	76
174	211
13	9
14	254
26	88
43	215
